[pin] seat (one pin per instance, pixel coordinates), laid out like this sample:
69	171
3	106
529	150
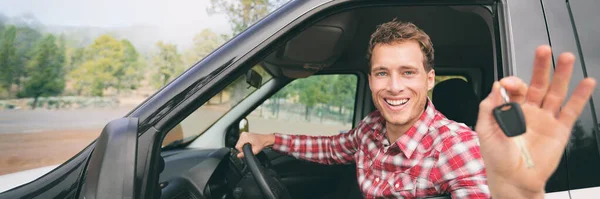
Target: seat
456	99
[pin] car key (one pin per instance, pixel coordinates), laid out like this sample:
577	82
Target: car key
511	120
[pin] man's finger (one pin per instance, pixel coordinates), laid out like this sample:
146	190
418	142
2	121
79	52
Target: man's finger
541	73
575	105
515	87
485	117
560	83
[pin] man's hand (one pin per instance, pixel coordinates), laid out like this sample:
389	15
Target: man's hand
258	142
548	127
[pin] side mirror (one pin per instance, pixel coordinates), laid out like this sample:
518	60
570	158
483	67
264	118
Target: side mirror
253	78
244	126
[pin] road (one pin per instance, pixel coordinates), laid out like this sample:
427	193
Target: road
36	138
41	120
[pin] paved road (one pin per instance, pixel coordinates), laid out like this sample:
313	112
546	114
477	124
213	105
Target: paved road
31	121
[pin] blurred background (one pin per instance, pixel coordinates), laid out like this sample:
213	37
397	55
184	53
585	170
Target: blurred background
67	67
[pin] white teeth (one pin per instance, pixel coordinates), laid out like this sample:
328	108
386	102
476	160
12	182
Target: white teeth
396	102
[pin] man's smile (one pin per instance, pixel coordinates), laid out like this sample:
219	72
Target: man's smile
396	104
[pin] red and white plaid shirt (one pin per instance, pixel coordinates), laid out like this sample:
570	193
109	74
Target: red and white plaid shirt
435	156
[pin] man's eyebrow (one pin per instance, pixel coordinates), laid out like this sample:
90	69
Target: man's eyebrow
407	67
378	68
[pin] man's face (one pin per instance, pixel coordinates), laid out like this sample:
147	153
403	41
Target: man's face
399	82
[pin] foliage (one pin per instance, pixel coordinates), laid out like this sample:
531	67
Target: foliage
107	63
322	92
203	44
8	57
243	13
167	64
45	71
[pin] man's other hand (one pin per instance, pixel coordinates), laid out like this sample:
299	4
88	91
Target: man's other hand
548	126
258	142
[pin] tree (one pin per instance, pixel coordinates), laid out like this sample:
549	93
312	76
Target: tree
130	73
243	13
8	58
101	68
204	43
344	88
312	91
26	41
168	63
46	75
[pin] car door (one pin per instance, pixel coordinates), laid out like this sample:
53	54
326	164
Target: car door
529	24
284	113
573	26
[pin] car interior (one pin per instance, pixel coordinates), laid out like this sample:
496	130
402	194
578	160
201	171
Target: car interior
464	40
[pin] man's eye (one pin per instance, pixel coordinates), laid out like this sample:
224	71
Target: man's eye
380	74
409	73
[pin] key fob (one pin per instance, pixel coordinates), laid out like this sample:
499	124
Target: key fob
510	118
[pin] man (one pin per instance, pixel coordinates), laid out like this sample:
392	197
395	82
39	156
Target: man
548	127
406	148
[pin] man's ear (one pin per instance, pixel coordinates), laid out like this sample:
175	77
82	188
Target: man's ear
430	79
369	79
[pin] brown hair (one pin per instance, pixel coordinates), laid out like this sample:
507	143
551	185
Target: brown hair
396	32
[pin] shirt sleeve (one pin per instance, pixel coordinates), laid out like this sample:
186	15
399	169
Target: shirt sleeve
337	149
461	167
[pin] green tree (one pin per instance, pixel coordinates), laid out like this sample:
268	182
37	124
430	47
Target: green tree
344	90
313	91
46	76
243	13
8	58
26	41
281	94
130	73
167	62
100	70
204	43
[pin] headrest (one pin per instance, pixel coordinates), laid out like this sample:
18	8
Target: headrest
456	99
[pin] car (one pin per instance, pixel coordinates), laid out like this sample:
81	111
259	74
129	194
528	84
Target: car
172	146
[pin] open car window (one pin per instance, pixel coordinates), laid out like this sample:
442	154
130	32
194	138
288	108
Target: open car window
316	105
205	116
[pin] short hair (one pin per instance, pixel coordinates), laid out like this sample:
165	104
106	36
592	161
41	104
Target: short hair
397	32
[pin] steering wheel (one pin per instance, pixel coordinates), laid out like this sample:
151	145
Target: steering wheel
257	170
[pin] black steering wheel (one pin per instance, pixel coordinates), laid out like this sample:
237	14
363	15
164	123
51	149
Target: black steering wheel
264	183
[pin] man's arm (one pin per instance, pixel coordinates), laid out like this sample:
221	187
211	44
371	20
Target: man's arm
336	149
460	167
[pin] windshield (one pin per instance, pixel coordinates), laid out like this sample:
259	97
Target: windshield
69	67
205	116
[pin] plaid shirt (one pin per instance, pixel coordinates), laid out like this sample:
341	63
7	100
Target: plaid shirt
435	156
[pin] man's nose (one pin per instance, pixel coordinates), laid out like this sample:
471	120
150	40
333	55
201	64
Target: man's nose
396	84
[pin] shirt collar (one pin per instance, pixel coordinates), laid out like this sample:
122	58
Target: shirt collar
409	141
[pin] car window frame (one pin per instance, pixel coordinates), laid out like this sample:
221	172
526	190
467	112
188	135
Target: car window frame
354	106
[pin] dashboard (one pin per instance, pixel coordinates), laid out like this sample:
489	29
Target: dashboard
201	173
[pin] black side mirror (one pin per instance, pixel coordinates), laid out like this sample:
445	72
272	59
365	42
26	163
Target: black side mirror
253	78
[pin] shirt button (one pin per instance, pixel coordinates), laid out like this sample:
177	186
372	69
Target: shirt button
397	185
376	179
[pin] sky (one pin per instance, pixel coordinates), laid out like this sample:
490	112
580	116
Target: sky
110	13
177	19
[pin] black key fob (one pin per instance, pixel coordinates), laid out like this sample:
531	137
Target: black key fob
510	118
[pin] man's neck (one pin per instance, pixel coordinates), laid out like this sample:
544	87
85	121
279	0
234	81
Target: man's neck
394	132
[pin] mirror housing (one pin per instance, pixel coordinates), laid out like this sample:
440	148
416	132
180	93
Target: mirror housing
111	168
244	125
253	78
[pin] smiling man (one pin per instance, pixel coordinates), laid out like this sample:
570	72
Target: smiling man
405	148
